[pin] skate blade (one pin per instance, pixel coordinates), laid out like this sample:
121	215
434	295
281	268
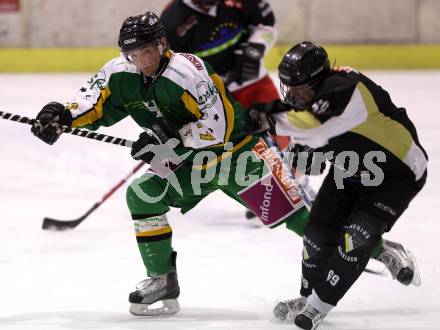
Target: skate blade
416	281
170	307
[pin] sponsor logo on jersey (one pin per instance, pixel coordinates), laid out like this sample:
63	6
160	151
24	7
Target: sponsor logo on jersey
193	60
180	74
207	94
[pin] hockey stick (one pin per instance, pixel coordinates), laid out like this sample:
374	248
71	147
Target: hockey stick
305	195
307	199
53	224
74	131
49	223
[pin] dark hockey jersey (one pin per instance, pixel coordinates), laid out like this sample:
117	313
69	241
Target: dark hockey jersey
352	113
213	36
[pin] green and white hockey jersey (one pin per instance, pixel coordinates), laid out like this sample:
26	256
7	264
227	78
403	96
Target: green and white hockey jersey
188	94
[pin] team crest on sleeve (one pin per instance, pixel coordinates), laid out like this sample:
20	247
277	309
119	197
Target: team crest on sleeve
193	60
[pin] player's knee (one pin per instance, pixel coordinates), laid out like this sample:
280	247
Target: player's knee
146	197
132	199
319	243
325	236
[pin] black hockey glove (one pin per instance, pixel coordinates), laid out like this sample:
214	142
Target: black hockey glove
159	134
50	121
308	160
247	61
259	117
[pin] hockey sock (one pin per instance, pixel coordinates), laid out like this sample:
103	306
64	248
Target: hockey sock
153	236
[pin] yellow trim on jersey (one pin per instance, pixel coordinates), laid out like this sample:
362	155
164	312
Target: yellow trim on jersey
229	110
168	54
225	155
191	104
381	129
303	119
96	113
156	232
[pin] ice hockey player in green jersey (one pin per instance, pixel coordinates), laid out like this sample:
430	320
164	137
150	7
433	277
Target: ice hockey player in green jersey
195	140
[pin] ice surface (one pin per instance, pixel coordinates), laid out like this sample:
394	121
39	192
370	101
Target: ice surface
231	273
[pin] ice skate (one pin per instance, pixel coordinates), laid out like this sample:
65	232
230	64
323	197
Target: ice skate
309	318
155	290
287	310
400	262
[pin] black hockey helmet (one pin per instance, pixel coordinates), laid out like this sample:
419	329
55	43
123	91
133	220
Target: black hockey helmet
139	30
304	63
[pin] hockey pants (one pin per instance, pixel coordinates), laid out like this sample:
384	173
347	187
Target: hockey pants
150	197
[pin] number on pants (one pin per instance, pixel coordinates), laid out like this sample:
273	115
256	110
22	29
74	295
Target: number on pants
332	278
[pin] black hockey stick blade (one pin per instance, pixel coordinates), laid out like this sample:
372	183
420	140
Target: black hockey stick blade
375	271
53	224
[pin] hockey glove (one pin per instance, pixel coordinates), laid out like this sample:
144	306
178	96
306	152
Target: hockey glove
259	117
308	160
247	62
158	134
50	120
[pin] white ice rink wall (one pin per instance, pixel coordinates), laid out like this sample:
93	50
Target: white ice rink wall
83	23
